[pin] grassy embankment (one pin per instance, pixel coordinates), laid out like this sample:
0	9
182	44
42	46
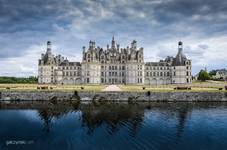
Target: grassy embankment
210	86
65	88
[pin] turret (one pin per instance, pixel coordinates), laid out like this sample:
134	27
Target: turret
93	44
180	47
113	43
134	44
48	47
180	58
118	47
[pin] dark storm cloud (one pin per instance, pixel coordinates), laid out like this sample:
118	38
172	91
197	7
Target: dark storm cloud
28	14
40	15
70	24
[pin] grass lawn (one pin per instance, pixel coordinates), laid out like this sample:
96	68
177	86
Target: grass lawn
210	86
33	87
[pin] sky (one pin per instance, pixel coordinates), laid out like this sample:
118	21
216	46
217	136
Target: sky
157	25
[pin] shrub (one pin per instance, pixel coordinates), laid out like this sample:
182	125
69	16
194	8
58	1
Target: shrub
203	75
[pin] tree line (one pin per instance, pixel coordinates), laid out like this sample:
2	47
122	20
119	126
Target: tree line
30	79
204	75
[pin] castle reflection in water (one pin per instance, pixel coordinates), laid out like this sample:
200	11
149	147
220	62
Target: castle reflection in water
155	125
114	116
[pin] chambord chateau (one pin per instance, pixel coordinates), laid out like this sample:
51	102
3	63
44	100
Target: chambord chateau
113	65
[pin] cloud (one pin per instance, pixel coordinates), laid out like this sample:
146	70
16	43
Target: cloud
157	25
21	66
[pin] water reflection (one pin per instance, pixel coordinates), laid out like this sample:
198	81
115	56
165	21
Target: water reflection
113	116
116	126
183	113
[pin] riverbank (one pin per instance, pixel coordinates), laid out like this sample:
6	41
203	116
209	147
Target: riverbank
209	86
121	96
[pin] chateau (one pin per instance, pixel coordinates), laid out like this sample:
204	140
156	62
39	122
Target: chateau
113	65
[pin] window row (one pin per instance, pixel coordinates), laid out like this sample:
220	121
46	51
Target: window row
71	73
112	74
113	67
70	68
156	68
112	80
157	74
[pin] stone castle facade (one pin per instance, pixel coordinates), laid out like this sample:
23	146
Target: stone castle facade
113	65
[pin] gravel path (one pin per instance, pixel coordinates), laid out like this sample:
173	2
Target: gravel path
112	88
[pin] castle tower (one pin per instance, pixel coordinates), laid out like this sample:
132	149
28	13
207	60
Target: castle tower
179	61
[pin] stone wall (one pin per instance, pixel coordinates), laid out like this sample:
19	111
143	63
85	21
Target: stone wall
116	96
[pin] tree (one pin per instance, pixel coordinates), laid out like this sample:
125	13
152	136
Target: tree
203	75
30	79
212	73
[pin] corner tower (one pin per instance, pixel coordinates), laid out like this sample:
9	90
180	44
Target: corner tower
181	69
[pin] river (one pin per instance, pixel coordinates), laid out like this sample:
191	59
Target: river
158	126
